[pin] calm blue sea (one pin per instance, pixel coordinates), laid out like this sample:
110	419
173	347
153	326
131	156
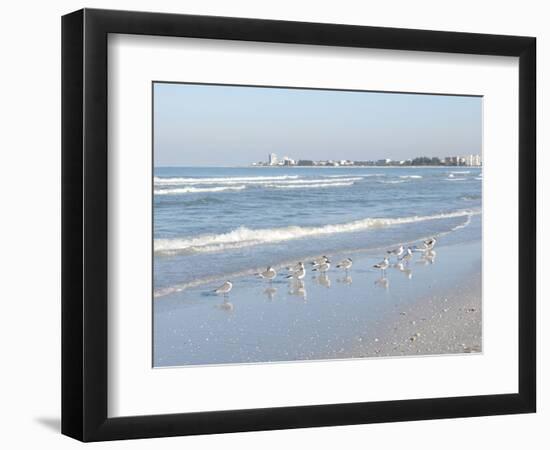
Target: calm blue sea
214	223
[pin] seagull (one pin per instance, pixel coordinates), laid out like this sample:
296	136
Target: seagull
382	265
396	251
345	264
224	288
268	274
318	261
429	243
407	256
295	267
298	273
322	267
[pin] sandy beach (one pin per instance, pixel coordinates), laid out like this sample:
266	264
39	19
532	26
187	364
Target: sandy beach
427	307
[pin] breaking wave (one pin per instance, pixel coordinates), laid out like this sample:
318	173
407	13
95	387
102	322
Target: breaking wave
411	176
194	190
392	181
246	237
308	186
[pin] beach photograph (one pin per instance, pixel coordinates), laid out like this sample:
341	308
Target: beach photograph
299	224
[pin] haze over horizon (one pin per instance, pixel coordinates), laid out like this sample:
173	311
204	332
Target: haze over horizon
212	125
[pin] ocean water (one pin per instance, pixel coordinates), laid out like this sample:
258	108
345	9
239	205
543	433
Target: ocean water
212	224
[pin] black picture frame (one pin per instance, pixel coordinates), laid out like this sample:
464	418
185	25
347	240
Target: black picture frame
84	224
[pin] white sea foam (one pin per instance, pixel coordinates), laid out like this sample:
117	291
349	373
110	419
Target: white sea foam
309	186
460	171
246	237
456	179
345	176
392	181
411	176
309	181
194	190
224	180
464	224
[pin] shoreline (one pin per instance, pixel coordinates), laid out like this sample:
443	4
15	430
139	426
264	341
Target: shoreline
319	167
332	316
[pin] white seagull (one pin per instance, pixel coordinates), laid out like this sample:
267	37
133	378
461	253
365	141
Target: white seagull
322	267
382	265
295	267
299	273
345	264
318	261
407	256
396	251
430	243
224	288
269	274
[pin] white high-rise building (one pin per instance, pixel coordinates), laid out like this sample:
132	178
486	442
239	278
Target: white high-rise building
473	160
272	158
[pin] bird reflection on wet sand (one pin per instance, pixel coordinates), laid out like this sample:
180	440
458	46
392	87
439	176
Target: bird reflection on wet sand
382	282
226	306
323	280
404	269
345	280
270	293
297	288
427	258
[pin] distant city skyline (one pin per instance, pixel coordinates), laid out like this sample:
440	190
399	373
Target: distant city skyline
212	125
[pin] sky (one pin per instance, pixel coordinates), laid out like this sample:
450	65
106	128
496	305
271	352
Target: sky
210	125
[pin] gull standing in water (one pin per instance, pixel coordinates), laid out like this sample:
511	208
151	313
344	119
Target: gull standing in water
382	265
430	243
299	273
345	264
295	267
318	261
426	246
396	251
224	288
269	274
322	267
407	256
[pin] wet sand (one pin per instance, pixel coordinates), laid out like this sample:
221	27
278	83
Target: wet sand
429	307
441	323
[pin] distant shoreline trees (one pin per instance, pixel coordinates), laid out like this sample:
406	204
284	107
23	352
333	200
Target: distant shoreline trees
452	161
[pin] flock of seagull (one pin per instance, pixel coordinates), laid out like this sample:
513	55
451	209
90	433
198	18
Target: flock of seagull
401	255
